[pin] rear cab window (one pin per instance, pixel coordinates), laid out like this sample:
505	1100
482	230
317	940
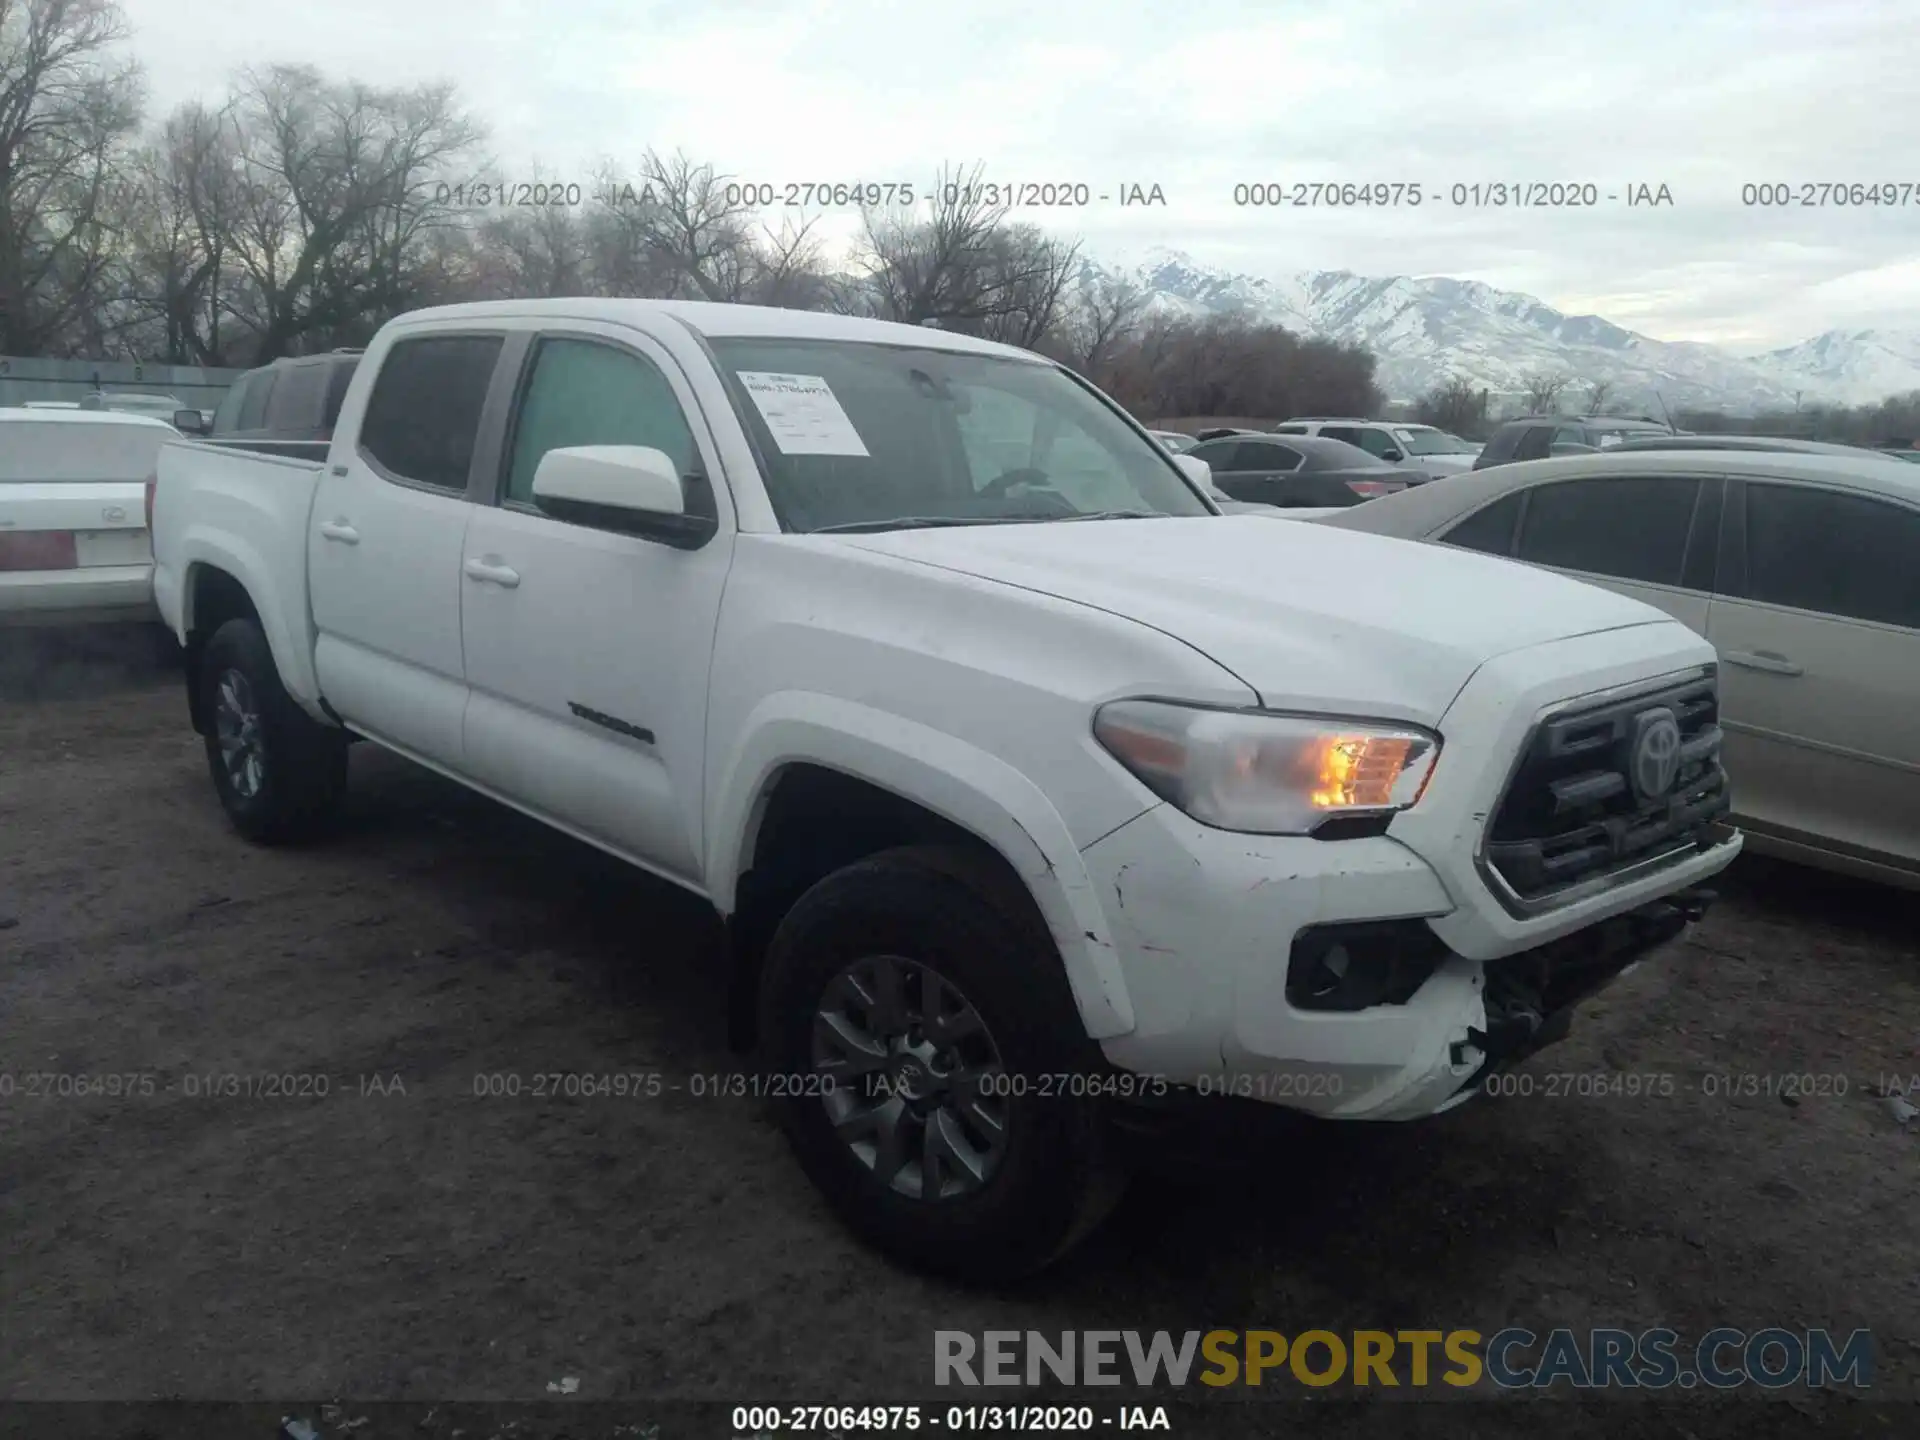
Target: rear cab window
423	417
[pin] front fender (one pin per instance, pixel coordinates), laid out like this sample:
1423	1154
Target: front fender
967	786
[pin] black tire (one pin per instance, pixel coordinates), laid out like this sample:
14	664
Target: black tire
943	909
303	769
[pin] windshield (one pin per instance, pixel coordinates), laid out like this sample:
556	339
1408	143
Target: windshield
879	436
1425	442
1458	446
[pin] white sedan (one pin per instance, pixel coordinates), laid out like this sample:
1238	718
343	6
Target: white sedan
1804	572
74	542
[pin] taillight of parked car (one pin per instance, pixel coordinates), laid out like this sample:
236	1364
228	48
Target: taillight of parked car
1369	489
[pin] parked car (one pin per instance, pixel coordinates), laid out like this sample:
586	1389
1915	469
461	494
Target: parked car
1296	470
1421	449
1176	442
1538	437
73	524
994	770
289	407
1802	569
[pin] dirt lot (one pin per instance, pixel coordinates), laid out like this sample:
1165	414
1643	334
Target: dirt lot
400	1237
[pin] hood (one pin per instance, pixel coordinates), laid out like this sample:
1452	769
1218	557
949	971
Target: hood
1310	617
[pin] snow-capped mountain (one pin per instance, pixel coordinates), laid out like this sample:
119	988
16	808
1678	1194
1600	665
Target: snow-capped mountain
1868	363
1424	330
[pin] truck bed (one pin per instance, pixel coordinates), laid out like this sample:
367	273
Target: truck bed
245	513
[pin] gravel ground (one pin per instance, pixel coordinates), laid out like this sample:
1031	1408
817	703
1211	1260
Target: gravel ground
402	1237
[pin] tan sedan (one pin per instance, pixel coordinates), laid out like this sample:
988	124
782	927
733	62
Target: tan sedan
1804	572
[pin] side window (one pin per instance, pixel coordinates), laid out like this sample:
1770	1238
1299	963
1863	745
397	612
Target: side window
1348	433
227	417
1533	443
1832	553
298	397
1632	527
1377	443
1489	529
253	409
425	407
1278	457
1222	455
1289	429
585	393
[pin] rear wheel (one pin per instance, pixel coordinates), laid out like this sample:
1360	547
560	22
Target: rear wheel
919	1034
279	773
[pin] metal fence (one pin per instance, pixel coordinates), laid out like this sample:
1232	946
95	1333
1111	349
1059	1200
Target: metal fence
23	379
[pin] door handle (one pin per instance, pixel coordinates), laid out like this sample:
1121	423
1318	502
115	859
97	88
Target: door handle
1765	660
341	531
488	574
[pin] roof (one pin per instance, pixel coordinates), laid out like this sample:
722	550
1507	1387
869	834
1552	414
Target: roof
79	417
1417	511
718	321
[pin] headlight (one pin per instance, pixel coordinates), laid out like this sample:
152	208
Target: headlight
1266	774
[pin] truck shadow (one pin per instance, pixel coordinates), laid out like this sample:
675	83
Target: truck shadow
83	662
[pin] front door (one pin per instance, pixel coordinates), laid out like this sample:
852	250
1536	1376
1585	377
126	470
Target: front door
587	651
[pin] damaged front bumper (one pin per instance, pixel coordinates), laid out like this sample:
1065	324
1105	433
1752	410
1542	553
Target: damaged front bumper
1326	978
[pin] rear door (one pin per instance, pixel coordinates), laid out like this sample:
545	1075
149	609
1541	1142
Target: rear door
73	533
1818	627
384	554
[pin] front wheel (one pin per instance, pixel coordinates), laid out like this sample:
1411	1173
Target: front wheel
919	1027
280	774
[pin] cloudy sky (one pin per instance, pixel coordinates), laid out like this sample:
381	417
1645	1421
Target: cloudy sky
1203	95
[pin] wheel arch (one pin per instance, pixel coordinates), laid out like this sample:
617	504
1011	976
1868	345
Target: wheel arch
935	786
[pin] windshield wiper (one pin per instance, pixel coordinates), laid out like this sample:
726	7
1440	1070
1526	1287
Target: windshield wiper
1117	515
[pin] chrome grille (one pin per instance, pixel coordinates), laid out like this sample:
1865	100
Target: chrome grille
1585	807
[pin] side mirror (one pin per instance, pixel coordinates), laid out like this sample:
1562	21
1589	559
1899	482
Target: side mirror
1196	470
1392	456
189	422
632	489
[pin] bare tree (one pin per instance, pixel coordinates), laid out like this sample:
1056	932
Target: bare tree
336	190
68	111
1101	316
1454	405
1597	393
1543	393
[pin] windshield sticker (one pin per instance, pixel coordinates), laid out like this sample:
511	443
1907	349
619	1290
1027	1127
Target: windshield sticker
803	414
1606	440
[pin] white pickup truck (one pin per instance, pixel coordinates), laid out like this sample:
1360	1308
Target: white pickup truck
1041	798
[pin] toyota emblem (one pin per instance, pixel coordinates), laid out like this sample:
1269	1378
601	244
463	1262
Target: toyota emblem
1656	753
